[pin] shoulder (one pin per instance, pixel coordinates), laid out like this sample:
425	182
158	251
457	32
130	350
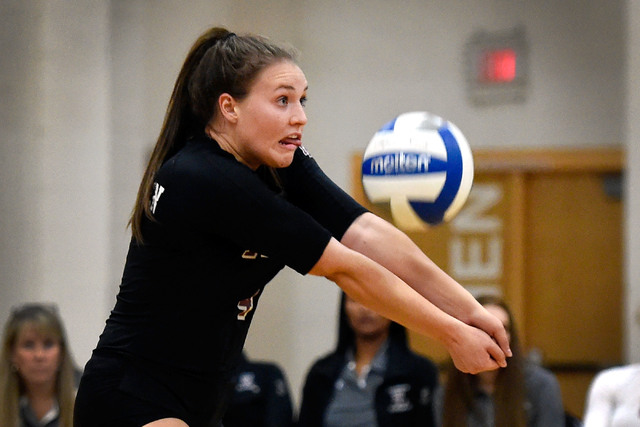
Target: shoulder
328	365
423	362
302	166
303	155
201	158
617	376
405	362
537	372
201	173
537	377
267	369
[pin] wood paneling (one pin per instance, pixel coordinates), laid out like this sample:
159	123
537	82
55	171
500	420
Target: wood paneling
544	228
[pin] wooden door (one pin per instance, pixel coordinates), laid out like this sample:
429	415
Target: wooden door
544	229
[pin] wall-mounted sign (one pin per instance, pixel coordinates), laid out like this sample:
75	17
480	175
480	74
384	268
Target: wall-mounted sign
496	67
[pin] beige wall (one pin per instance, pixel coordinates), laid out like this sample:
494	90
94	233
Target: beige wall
84	87
632	138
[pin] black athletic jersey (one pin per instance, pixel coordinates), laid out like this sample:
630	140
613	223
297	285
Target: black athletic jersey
220	232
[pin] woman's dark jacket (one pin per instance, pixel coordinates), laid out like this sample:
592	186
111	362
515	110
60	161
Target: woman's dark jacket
405	397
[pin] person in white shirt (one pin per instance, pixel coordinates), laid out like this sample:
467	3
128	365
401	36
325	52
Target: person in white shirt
614	398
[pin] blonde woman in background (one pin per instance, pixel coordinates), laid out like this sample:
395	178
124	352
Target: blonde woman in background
37	374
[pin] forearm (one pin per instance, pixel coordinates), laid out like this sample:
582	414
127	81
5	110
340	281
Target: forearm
391	248
377	288
374	286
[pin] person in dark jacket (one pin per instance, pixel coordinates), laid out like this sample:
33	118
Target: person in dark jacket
260	396
371	379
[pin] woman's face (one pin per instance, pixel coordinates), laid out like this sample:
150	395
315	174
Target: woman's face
271	118
365	323
36	357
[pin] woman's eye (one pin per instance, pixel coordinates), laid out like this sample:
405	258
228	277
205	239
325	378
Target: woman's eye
303	101
283	100
28	344
49	344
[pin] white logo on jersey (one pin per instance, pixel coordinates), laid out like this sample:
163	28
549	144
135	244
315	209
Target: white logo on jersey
157	192
247	382
399	398
305	152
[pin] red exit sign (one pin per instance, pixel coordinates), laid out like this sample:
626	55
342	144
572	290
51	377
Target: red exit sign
498	66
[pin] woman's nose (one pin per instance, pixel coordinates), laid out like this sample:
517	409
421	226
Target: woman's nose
40	351
299	117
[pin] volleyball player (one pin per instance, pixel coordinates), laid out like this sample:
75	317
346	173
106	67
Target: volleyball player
230	197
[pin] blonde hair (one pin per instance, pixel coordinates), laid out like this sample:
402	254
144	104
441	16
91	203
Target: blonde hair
45	320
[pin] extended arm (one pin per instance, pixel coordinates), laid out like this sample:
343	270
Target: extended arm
373	285
434	304
385	244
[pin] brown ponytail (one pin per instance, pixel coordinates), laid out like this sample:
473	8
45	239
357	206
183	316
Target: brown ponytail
218	62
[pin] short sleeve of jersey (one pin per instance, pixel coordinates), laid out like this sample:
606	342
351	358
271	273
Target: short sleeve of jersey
207	193
309	188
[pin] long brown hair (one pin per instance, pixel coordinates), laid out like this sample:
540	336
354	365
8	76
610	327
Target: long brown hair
46	320
509	394
218	62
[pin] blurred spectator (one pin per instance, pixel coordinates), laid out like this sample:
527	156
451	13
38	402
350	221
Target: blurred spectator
372	378
37	376
260	397
614	398
521	395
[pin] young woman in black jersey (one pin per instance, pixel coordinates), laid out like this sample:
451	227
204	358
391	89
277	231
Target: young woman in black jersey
230	197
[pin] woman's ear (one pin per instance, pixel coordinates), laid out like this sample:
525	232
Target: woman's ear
227	106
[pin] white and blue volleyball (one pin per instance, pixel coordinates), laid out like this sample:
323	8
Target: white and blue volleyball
422	165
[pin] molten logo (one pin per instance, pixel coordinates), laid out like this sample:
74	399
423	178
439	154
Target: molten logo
397	164
402	163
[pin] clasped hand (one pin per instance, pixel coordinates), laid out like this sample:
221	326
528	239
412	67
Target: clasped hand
480	345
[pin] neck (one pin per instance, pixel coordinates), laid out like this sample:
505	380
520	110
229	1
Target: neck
366	349
487	381
224	141
41	398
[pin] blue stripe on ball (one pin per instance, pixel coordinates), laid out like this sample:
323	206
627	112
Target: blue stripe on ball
390	125
433	212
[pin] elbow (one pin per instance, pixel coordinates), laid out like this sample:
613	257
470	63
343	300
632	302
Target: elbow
362	232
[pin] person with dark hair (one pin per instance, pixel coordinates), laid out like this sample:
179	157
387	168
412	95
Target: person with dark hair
37	375
229	197
522	394
260	396
372	378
